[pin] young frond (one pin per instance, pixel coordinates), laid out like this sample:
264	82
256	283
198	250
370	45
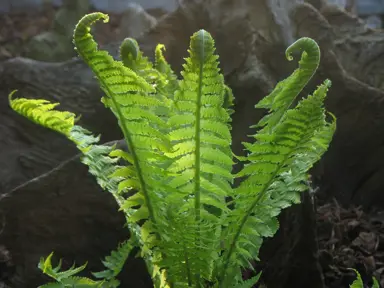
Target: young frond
286	91
277	170
165	84
162	65
165	69
134	59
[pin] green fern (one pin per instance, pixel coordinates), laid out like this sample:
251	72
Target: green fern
115	262
358	283
286	147
41	112
66	278
174	183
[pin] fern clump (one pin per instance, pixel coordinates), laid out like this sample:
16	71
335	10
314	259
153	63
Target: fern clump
174	184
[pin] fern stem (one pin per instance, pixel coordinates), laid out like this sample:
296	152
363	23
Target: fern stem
188	267
197	151
197	162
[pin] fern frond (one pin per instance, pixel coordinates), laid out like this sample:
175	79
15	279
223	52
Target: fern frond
358	282
286	91
278	167
101	159
42	112
165	69
66	278
202	162
125	91
248	283
130	97
134	59
229	100
115	262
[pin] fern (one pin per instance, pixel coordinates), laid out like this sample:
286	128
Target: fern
358	283
289	143
115	262
66	278
174	183
41	112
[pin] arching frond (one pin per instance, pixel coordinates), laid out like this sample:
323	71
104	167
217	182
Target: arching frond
286	91
101	159
128	96
289	143
42	113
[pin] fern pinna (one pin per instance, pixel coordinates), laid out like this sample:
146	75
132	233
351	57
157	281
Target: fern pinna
192	226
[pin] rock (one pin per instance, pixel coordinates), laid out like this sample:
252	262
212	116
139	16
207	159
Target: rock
352	166
31	149
135	21
11	5
6	266
68	16
110	6
71	216
50	47
117	6
56	45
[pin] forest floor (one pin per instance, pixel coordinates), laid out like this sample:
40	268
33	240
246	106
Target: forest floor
350	238
347	237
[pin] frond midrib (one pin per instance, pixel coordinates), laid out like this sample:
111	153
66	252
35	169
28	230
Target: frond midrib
198	158
197	147
129	142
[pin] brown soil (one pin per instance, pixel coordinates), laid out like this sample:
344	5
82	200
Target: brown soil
350	238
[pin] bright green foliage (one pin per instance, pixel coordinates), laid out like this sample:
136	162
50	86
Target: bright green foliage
41	111
66	278
358	283
115	262
175	182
